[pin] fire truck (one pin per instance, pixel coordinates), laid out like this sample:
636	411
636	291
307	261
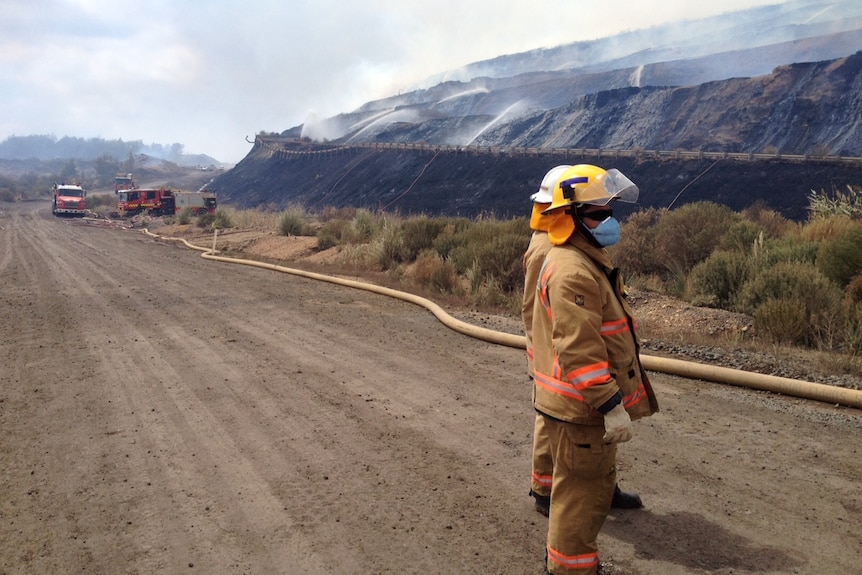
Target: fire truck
124	182
164	202
69	200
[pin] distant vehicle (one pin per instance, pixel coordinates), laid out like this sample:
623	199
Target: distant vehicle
69	200
164	202
124	182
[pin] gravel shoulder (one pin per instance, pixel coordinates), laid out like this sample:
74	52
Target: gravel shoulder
161	413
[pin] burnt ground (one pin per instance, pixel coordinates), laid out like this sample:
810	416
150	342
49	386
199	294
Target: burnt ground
470	184
160	413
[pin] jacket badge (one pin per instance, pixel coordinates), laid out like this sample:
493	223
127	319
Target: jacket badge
579	300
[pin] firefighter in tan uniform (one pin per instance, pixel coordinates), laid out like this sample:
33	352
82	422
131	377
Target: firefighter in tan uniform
589	383
542	463
543	466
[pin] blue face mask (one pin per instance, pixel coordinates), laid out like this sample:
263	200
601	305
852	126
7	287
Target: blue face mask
607	233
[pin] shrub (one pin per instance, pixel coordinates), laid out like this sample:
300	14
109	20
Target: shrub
500	260
292	222
635	253
774	224
840	259
432	272
330	233
452	236
818	299
493	250
854	289
362	228
853	301
782	320
205	221
222	220
184	216
716	280
824	205
790	248
686	236
827	228
331	213
741	237
390	247
419	234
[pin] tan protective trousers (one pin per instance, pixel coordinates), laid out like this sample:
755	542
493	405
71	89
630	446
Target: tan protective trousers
581	494
543	462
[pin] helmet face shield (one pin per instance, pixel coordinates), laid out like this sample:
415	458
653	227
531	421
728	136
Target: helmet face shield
612	185
588	184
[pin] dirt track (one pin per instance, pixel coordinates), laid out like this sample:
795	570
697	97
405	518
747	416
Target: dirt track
160	413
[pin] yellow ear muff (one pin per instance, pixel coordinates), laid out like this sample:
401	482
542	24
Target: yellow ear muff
561	227
539	221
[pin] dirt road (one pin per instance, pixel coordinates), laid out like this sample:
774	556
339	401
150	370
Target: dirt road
160	413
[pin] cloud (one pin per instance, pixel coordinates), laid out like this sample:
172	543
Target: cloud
209	73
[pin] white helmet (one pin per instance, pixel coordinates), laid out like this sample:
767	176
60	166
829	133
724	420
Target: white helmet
545	195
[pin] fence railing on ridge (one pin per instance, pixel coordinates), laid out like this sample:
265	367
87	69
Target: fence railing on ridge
274	145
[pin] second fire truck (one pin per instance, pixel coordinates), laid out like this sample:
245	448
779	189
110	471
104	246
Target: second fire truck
164	202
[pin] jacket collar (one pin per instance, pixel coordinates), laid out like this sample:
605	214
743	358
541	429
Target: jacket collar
598	255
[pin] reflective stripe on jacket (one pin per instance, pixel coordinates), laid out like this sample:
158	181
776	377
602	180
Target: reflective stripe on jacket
585	348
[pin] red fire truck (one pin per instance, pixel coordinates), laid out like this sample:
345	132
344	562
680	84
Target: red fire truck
124	182
164	202
69	200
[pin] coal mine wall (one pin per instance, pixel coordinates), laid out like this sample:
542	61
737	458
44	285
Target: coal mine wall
466	184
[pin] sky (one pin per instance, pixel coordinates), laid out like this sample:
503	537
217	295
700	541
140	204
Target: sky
210	74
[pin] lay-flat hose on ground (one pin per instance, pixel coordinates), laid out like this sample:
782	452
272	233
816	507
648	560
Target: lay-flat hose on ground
688	369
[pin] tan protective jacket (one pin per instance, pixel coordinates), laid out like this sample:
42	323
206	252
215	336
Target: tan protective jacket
533	259
585	347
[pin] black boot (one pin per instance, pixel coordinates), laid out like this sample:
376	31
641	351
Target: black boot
543	503
625	500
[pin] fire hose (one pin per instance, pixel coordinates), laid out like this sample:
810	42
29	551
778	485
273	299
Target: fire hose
691	370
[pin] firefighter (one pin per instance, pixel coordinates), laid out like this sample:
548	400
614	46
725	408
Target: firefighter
542	464
589	383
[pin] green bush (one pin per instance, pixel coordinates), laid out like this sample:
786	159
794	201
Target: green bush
790	248
716	280
452	236
222	220
482	243
840	259
824	205
184	216
434	273
686	236
818	299
206	221
390	247
827	228
420	234
499	260
782	320
292	222
774	224
854	289
362	228
741	237
330	233
635	253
